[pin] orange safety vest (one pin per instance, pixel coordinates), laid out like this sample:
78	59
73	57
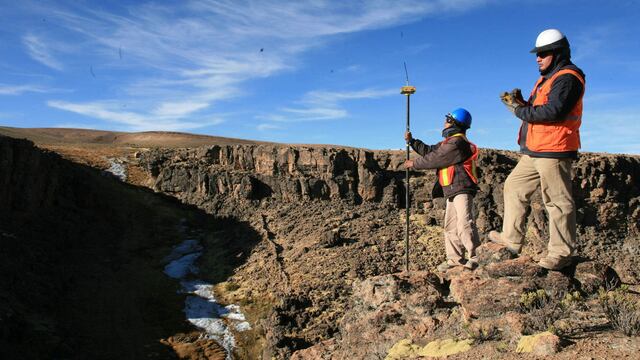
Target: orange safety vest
560	136
446	174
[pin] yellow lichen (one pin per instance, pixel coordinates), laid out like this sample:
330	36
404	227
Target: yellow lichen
445	347
526	343
405	349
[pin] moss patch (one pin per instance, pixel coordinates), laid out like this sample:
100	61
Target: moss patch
405	349
527	343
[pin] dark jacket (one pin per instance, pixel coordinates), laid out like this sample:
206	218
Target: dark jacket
565	93
455	151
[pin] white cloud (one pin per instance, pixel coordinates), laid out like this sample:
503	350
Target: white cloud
207	50
325	105
21	89
328	97
313	113
265	127
40	52
593	41
137	121
179	109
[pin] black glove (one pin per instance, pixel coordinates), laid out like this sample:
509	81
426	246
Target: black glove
517	95
407	137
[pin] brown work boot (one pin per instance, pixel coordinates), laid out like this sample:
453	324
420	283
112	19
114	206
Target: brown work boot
555	263
496	237
471	265
449	264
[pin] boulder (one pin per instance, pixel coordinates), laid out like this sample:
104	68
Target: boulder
386	308
406	349
495	290
542	344
593	275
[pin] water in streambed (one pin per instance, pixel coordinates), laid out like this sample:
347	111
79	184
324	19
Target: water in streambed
217	322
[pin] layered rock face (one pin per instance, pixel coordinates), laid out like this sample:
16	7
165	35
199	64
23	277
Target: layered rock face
606	189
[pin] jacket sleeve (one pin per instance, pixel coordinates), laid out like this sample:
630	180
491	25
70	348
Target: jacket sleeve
446	154
422	148
564	94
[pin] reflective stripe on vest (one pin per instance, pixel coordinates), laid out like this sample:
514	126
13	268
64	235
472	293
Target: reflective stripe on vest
446	174
559	136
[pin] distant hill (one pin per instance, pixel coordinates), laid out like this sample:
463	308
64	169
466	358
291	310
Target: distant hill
62	136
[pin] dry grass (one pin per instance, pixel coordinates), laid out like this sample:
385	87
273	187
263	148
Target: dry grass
622	310
544	311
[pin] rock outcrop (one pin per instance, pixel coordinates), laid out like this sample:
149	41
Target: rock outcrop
408	315
606	189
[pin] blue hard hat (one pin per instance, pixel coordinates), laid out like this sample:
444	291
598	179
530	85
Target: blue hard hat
461	117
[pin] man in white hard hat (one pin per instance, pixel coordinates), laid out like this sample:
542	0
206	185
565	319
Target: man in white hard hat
549	140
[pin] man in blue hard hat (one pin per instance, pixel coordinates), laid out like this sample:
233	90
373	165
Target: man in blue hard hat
454	159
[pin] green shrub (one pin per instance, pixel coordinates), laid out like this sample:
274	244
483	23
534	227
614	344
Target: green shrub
481	332
533	300
545	310
622	310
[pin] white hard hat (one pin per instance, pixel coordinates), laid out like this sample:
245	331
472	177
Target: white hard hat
550	39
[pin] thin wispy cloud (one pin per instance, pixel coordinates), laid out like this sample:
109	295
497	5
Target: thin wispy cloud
593	41
21	89
207	50
164	119
40	52
608	97
325	105
267	127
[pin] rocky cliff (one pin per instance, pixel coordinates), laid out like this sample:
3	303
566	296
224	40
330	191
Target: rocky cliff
81	261
606	189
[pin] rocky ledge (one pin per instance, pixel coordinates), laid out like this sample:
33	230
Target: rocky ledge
510	302
606	189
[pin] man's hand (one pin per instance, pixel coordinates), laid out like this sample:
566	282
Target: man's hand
517	95
408	164
509	101
407	136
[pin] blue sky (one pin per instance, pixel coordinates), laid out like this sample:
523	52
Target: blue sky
323	72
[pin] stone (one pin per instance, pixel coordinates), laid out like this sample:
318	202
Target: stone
446	347
403	349
486	297
386	308
497	288
331	239
406	349
542	344
593	275
491	252
522	266
319	351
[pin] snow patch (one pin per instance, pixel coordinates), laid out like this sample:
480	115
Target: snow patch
201	307
118	168
187	247
183	266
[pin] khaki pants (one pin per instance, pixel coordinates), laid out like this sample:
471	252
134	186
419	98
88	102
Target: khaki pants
554	178
460	232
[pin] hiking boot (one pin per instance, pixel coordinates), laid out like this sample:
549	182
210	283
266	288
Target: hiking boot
447	265
471	265
555	263
496	237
